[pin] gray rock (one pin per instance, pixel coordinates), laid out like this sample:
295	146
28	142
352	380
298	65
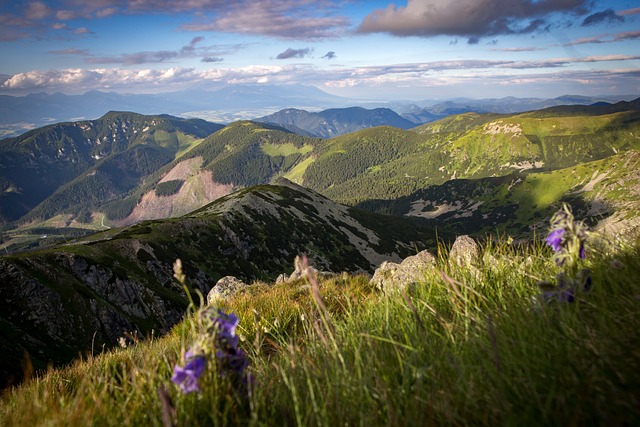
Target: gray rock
383	276
224	288
390	276
464	251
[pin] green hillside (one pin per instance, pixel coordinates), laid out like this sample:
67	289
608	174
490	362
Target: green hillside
247	153
604	192
386	163
239	155
95	160
475	344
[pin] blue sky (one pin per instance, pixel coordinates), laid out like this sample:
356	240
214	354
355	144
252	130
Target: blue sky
416	49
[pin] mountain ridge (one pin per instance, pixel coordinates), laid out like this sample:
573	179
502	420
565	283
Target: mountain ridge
335	121
369	164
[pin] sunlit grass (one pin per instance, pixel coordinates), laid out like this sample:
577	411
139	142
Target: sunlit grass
285	149
465	346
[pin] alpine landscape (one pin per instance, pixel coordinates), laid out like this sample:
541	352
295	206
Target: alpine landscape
205	219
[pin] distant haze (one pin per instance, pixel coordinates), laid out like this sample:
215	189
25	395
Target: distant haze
19	114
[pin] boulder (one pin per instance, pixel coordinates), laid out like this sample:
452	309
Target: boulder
383	276
282	278
391	276
464	251
224	288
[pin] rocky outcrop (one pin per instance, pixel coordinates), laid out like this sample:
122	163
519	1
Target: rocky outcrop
464	251
392	277
56	307
299	272
224	288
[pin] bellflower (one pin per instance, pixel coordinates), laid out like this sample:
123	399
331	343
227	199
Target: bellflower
567	239
187	377
216	343
554	239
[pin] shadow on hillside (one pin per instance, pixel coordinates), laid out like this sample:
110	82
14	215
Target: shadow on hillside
487	206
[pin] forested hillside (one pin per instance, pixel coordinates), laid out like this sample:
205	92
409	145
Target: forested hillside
82	164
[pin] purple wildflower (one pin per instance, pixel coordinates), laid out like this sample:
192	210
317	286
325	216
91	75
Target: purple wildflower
219	338
554	239
187	377
226	324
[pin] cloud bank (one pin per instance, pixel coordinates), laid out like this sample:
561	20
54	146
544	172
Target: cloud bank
412	74
285	19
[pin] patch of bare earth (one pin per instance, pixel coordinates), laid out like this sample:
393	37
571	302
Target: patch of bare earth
198	189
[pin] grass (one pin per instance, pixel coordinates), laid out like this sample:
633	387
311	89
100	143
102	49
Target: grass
284	150
465	346
298	170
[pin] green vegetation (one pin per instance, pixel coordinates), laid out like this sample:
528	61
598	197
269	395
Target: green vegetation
284	150
465	346
128	155
83	164
167	188
119	209
297	172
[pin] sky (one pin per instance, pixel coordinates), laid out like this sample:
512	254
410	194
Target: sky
369	49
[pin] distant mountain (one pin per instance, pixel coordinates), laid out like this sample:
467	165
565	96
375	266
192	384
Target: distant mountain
19	114
509	105
85	295
336	121
76	165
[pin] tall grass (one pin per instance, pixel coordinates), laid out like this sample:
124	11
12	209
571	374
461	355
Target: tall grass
468	345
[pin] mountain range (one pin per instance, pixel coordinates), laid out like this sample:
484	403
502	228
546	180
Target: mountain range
86	162
19	114
125	168
335	121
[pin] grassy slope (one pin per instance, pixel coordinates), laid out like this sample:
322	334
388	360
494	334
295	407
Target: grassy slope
464	346
387	163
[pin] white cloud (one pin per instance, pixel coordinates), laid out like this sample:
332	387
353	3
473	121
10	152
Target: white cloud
412	74
287	19
65	15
